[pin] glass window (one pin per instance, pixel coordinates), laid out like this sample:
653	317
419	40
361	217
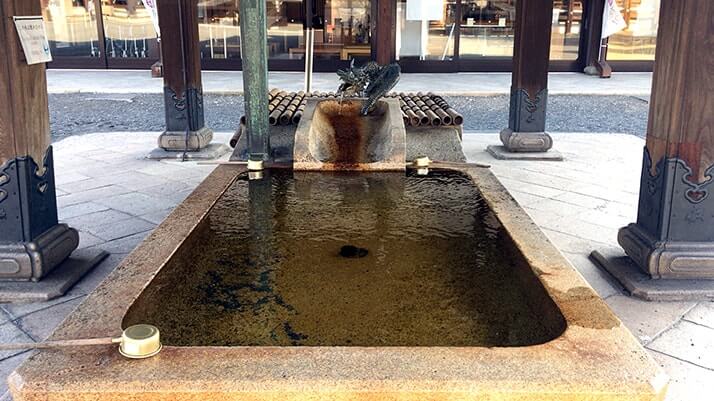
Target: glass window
637	41
128	29
487	28
219	29
565	33
71	27
285	29
426	32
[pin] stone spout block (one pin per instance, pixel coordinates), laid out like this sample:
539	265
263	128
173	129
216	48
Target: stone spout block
334	136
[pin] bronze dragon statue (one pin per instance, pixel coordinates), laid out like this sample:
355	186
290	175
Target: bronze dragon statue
370	80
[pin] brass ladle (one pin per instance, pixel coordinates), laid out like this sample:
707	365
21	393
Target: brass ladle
136	342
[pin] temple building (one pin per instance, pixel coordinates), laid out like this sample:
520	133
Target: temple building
423	35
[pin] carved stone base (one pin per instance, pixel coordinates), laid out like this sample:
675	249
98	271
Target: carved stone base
641	285
667	259
526	141
34	260
501	153
211	152
176	140
57	282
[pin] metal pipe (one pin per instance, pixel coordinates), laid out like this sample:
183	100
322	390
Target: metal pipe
309	56
254	53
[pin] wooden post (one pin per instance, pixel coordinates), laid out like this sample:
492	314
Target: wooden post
183	92
673	236
529	86
384	35
254	54
32	243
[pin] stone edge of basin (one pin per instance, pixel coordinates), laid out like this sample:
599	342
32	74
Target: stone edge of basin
596	358
304	160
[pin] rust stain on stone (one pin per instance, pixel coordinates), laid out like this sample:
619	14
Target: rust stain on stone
582	307
350	146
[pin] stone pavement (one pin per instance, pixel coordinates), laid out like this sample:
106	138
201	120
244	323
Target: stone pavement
462	84
115	197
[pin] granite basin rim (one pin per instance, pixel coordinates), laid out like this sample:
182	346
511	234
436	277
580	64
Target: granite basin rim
596	358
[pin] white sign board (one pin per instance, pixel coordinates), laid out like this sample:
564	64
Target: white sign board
33	38
425	10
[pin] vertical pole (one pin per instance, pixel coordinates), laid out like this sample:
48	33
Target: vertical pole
309	43
529	86
183	90
255	76
673	236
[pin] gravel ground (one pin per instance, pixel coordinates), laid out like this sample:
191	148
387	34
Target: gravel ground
73	114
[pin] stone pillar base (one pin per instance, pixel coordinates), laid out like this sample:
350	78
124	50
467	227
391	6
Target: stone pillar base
524	146
641	285
526	141
31	261
57	282
667	259
211	152
175	141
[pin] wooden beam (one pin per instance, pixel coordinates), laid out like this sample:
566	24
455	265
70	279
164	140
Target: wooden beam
384	30
24	114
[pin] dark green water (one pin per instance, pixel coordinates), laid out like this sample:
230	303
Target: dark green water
434	267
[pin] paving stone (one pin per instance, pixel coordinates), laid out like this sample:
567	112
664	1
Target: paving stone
559	208
67	177
85	185
99	219
135	180
167	188
689	342
79	209
601	282
603	219
702	314
120	229
7	366
86	240
688	382
572	244
90	281
581	200
533	189
136	203
40	324
9	333
526	199
18	310
4	316
647	320
90	195
158	216
125	244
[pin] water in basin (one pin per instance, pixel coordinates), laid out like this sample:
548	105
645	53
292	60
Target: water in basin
349	259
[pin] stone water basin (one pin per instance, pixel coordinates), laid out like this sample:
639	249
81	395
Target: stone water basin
456	295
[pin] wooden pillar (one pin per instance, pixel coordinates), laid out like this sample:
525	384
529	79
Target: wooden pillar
254	54
529	86
384	31
674	235
32	243
183	92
